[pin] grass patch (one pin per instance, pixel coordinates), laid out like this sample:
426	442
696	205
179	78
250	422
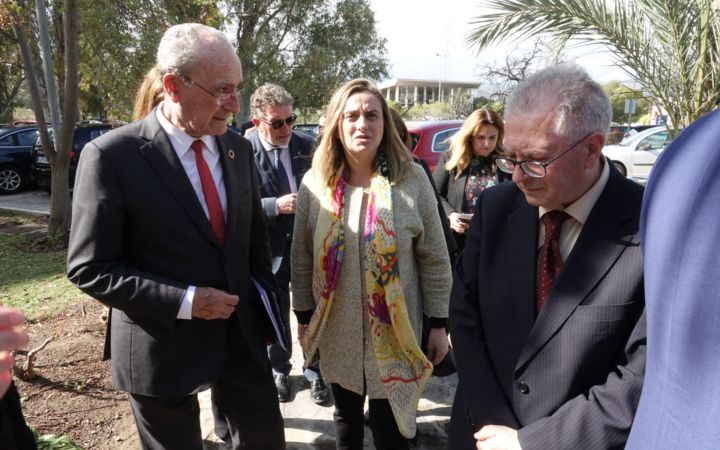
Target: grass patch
32	276
52	442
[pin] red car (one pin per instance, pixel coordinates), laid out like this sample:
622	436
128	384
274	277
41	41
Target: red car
432	138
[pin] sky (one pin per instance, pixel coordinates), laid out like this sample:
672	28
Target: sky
426	40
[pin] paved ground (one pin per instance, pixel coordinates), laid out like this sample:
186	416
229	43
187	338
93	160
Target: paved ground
307	425
29	202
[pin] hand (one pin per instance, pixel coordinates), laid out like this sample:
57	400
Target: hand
302	331
12	337
437	345
286	204
497	437
210	303
459	226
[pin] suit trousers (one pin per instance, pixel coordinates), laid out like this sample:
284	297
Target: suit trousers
279	357
350	422
245	392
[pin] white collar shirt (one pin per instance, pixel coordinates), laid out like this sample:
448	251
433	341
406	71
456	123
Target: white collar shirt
284	158
181	142
579	210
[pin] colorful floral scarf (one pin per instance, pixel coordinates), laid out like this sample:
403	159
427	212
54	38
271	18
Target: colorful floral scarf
403	368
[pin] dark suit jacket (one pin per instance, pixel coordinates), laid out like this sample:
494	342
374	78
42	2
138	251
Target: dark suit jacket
280	226
451	189
139	238
571	377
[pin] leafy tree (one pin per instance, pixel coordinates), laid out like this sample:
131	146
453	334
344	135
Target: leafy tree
308	46
11	76
669	47
484	102
118	46
28	33
430	111
397	106
618	93
460	104
341	45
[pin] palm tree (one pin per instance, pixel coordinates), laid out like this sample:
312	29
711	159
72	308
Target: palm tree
669	47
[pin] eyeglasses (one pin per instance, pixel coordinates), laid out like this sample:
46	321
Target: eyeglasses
534	169
226	93
278	123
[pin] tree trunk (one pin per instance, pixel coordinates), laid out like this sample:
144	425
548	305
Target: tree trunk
57	149
59	225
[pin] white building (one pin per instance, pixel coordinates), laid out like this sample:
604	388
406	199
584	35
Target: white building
410	92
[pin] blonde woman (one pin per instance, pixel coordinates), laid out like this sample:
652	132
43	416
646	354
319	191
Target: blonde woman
468	168
366	266
149	94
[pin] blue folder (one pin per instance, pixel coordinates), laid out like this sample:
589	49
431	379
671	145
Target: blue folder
267	296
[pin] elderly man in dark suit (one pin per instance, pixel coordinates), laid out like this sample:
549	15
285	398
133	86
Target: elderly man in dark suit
168	230
547	309
282	157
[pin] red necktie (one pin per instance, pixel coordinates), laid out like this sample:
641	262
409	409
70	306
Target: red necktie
217	218
550	262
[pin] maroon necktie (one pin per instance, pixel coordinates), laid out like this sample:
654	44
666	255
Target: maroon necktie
212	199
550	262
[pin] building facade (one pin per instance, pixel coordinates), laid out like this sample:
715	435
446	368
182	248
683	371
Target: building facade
411	92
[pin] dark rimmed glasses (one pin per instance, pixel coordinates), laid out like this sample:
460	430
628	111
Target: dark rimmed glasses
534	169
226	92
278	123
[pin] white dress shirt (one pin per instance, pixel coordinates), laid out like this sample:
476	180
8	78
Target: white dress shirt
181	142
579	210
284	158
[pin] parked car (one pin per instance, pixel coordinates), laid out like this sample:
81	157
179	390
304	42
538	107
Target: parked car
635	155
84	133
631	128
16	143
619	132
23	122
308	128
432	138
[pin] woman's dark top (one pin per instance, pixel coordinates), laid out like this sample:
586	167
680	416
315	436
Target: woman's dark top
459	194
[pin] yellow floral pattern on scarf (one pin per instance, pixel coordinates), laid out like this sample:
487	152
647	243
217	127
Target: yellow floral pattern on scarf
403	368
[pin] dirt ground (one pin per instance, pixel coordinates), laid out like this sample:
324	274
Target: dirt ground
72	394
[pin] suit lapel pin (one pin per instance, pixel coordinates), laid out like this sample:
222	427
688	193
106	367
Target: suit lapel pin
231	153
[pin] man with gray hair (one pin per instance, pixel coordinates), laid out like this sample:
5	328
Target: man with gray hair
168	231
547	311
282	157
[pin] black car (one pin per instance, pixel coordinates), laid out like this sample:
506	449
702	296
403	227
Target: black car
84	133
311	129
16	143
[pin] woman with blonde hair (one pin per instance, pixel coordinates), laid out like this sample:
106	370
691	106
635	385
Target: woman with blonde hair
149	94
468	168
366	266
